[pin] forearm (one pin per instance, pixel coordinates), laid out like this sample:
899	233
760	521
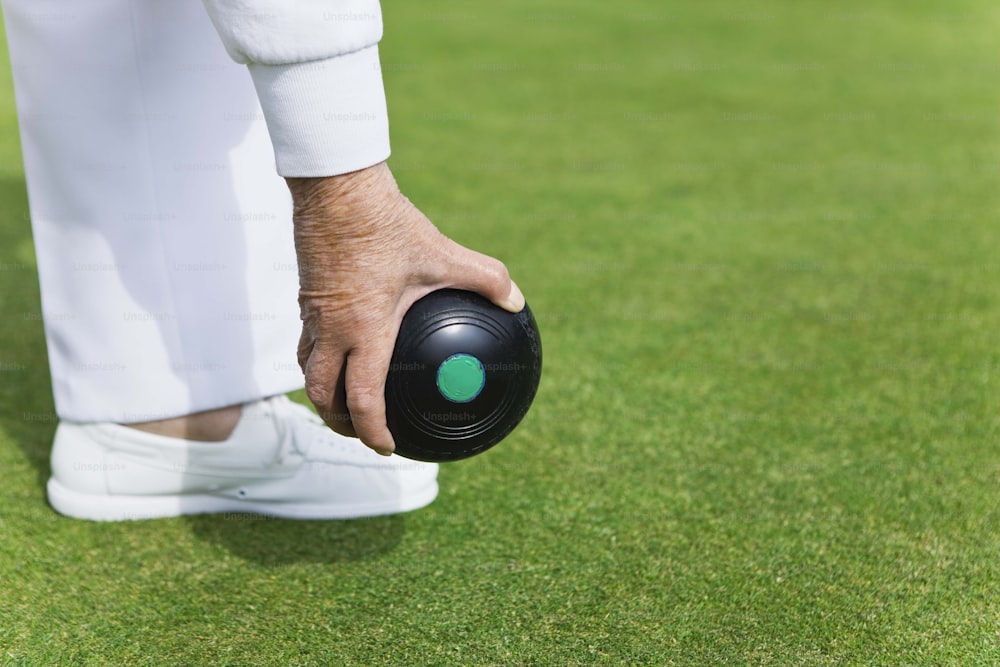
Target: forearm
316	69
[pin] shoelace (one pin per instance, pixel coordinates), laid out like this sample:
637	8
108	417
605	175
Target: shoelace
284	415
301	430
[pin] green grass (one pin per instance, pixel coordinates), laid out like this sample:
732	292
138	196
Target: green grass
761	242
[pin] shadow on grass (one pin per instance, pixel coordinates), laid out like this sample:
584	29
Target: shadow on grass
272	542
27	413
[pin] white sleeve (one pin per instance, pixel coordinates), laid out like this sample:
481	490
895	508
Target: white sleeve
316	69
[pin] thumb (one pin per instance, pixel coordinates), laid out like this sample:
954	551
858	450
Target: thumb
487	276
515	300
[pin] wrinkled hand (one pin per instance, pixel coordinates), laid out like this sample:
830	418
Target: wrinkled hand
365	255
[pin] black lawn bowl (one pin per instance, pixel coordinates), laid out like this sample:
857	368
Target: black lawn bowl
463	375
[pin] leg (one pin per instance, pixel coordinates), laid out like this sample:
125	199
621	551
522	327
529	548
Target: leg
162	231
168	277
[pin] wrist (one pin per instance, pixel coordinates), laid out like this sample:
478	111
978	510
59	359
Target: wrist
341	218
342	194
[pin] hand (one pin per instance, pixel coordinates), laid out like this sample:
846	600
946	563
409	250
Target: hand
365	255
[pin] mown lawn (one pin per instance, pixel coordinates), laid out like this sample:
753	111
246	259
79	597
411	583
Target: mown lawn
761	243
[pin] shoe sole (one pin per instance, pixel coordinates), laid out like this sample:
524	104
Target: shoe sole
134	508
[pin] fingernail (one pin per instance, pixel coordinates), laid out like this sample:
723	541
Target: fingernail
387	451
515	300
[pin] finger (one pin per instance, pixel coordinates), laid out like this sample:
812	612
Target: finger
340	416
366	373
324	370
306	343
485	275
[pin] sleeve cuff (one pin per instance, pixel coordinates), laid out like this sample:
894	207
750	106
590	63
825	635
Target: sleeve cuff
325	117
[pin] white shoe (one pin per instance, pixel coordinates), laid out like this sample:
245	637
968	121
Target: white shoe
281	460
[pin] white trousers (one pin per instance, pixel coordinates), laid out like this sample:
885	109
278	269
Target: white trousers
163	234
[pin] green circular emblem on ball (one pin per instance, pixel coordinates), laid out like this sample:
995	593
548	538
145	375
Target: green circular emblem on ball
460	378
